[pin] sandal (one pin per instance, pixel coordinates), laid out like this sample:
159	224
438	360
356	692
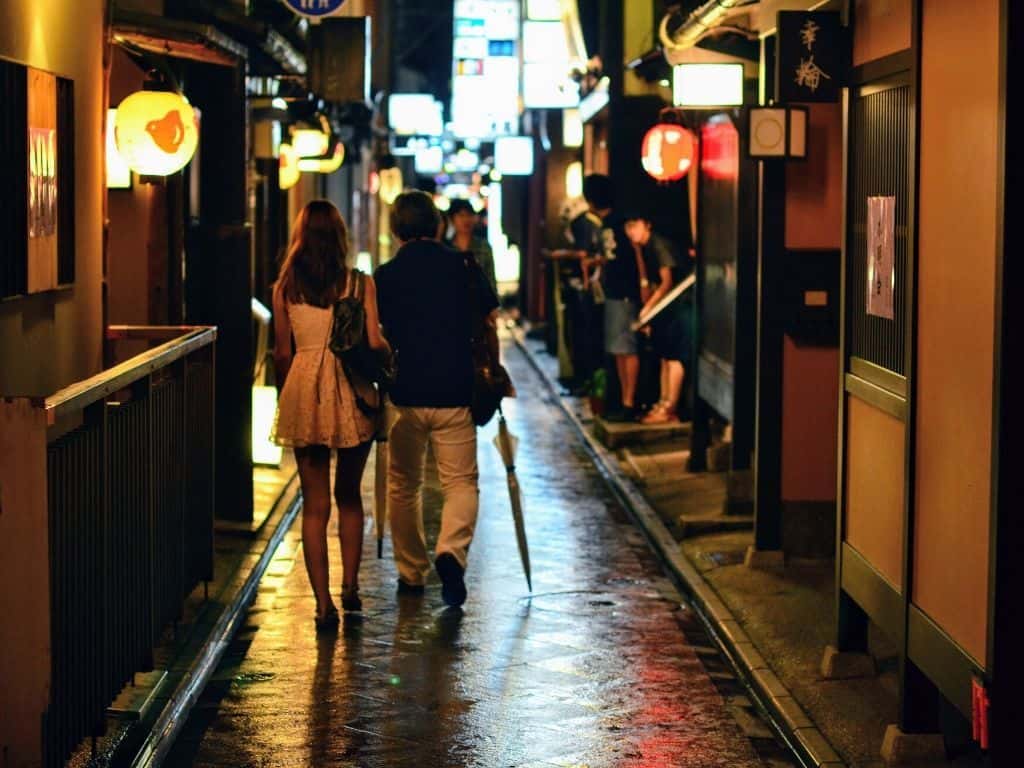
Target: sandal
660	415
350	602
329	621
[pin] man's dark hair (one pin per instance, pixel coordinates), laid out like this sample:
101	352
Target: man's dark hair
414	215
597	190
461	205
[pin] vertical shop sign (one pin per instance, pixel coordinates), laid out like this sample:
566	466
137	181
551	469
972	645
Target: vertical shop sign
809	65
881	256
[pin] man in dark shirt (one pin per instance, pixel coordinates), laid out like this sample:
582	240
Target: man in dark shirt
672	329
620	282
425	307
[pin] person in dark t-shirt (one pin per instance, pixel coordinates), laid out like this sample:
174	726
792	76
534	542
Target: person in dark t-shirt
672	328
620	283
424	295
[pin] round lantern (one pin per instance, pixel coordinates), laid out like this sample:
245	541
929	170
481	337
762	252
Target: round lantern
310	142
390	184
288	168
667	152
156	132
324	165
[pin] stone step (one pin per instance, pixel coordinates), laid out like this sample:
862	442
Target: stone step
614	435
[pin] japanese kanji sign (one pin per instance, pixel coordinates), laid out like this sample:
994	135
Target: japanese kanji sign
881	252
809	58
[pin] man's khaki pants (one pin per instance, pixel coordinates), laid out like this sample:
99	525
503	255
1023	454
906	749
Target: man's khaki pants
452	435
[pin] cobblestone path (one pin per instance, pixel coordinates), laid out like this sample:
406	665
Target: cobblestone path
602	667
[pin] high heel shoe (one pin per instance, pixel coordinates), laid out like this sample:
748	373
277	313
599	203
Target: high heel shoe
328	622
350	602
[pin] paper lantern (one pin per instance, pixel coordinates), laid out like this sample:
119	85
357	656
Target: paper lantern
390	184
310	142
667	152
323	165
156	132
288	169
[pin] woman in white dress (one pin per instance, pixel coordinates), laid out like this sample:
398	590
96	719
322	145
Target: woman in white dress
317	410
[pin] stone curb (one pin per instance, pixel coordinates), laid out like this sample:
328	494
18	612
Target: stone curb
161	737
786	715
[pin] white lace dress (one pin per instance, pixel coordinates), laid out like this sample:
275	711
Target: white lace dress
317	405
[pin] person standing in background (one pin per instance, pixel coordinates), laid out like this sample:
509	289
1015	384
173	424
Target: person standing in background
672	328
620	282
465	220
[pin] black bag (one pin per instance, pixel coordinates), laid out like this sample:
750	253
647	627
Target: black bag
491	382
350	344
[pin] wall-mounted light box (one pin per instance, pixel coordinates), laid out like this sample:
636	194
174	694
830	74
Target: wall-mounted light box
513	155
778	132
707	85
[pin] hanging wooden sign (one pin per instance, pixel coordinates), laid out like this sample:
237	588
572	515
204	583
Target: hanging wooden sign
809	62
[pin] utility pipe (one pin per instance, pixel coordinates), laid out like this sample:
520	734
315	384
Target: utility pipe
697	25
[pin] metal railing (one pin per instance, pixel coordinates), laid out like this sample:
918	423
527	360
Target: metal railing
127	482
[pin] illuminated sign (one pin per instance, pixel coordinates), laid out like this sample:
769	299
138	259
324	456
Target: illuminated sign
314	8
513	155
572	128
707	85
412	114
310	142
485	69
288	167
546	66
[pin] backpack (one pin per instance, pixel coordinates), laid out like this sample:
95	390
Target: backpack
349	343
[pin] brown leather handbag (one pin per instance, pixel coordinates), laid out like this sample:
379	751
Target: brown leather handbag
491	382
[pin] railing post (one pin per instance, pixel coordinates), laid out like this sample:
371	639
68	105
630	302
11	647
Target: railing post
24	582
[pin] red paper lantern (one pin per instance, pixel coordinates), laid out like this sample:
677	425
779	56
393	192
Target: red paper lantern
667	152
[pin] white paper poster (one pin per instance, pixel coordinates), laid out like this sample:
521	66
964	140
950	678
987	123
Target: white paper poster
881	256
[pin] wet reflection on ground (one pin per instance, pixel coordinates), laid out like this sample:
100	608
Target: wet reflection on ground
596	669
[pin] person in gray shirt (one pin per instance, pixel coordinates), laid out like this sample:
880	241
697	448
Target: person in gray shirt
465	221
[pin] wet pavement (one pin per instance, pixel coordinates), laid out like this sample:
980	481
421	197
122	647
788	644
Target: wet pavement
601	667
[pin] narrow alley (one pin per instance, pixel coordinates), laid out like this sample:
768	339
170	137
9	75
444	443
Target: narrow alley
602	666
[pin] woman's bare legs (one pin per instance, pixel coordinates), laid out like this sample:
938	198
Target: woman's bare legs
315	476
347	482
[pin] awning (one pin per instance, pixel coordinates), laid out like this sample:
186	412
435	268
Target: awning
177	38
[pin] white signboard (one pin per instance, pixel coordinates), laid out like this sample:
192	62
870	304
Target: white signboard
881	256
486	67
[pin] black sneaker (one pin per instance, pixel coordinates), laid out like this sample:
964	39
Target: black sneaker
621	416
453	587
410	589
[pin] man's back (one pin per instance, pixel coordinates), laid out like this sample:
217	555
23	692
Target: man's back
423	296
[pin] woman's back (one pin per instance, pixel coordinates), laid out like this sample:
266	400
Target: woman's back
317	404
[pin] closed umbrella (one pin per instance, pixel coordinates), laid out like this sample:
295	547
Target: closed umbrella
507	443
380	480
380	493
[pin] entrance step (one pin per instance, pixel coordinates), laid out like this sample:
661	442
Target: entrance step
691	504
614	435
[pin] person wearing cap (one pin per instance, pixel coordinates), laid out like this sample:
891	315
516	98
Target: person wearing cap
465	221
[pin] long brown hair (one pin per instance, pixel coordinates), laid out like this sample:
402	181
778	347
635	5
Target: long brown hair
315	263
